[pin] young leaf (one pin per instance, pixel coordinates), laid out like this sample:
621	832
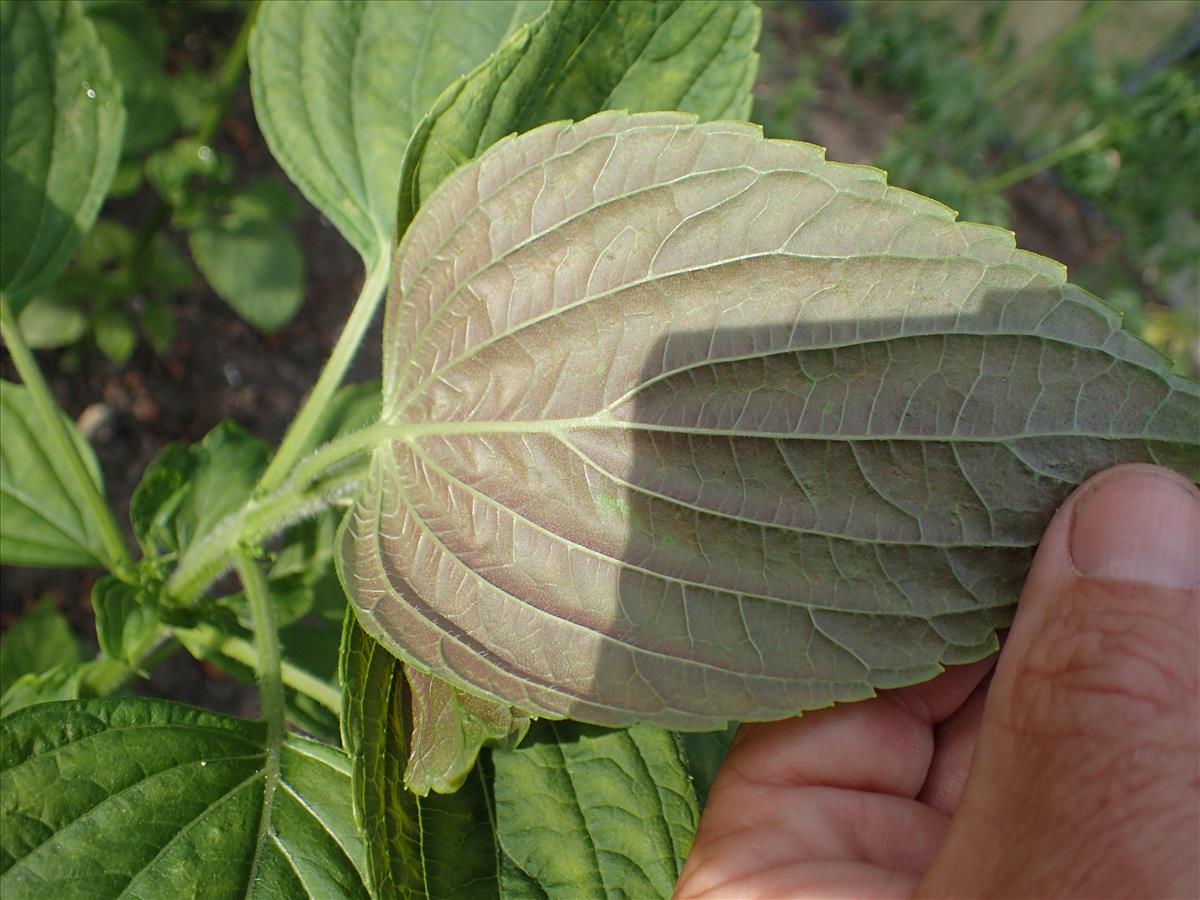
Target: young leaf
449	727
125	621
173	172
43	521
689	426
37	642
186	491
616	807
339	87
254	265
579	59
442	845
65	682
53	319
61	121
82	779
115	333
41	660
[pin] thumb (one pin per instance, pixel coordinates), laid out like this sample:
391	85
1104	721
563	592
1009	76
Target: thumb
1086	775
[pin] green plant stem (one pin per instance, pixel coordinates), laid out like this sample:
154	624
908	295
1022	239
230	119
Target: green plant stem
115	554
1086	141
1047	51
270	689
266	643
244	652
254	522
299	434
228	77
292	676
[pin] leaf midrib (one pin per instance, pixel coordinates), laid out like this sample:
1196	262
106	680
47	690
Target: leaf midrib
409	432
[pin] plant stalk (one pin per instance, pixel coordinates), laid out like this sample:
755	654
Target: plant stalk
229	76
1047	51
243	652
1081	144
266	644
270	690
299	433
114	554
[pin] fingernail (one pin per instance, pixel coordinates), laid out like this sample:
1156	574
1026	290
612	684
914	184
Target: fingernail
1138	525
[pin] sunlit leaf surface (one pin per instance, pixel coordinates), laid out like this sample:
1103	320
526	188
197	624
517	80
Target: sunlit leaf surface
134	797
691	426
339	87
616	807
44	519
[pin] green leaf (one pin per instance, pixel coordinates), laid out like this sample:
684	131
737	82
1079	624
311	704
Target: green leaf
716	430
107	798
53	319
449	728
186	491
442	845
137	46
44	521
158	324
128	180
339	87
163	270
116	335
614	814
61	120
65	682
126	618
264	200
254	265
172	171
41	660
37	642
193	92
579	59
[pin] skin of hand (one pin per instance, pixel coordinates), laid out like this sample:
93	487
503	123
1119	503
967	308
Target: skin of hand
1071	769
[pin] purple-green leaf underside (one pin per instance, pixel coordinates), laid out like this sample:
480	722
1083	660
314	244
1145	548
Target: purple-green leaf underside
687	426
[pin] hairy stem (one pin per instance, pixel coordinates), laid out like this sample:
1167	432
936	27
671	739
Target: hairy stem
113	554
270	689
299	433
266	643
256	521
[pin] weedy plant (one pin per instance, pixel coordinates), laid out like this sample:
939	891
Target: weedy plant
677	427
1124	138
122	282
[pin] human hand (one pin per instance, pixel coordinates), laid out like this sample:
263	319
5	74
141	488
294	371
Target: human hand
1072	770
